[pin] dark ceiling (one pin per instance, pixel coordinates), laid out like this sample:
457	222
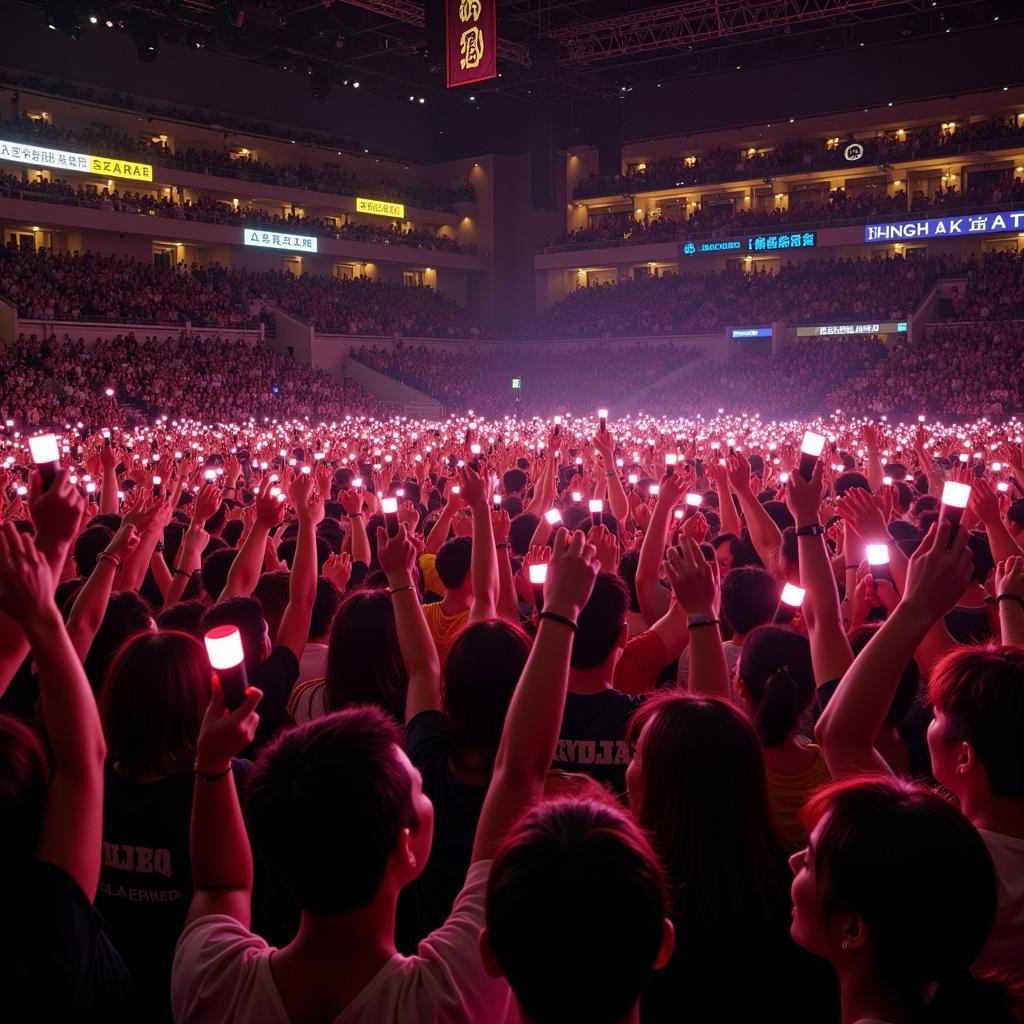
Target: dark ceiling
570	70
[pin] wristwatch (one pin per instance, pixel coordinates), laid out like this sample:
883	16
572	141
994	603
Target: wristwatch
814	530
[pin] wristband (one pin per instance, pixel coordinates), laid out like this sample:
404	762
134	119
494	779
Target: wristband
610	472
355	515
180	572
814	530
159	547
503	544
852	568
113	558
1015	598
561	619
702	622
398	590
212	778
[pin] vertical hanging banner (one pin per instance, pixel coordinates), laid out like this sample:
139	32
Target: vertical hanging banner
471	41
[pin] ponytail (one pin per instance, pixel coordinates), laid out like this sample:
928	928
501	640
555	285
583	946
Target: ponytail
779	709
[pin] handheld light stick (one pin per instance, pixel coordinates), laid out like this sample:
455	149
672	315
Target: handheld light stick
538	574
878	559
693	502
670	463
227	657
553	516
602	416
389	506
46	456
812	447
954	500
596	506
791	598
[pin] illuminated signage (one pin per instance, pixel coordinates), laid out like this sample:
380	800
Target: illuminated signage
831	330
83	163
944	227
786	240
380	208
853	152
471	41
517	383
751	332
278	240
696	248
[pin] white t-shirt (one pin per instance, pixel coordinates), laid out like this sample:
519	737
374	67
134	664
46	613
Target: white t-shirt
1005	946
732	659
313	664
222	975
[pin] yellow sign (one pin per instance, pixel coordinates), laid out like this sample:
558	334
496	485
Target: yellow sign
111	168
380	208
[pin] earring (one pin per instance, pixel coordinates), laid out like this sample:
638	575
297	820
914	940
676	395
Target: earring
846	945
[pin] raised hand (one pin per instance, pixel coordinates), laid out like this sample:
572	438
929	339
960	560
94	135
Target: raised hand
26	582
396	555
351	501
124	542
338	569
938	572
476	487
225	734
738	472
605	546
694	579
269	509
1010	577
57	511
696	527
206	502
572	570
861	514
407	514
501	523
984	501
804	497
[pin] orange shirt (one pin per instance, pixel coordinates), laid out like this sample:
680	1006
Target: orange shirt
642	660
443	628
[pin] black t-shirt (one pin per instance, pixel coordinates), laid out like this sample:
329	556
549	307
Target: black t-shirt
457	809
592	739
146	879
56	963
276	677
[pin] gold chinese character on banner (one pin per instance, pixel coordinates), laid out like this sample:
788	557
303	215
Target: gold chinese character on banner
469	10
471	48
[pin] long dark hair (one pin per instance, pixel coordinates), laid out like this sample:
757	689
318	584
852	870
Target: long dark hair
919	874
364	664
24	784
775	669
705	803
152	704
484	664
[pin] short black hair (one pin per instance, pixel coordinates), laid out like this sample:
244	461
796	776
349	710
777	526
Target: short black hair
325	805
88	546
845	481
750	596
214	571
183	617
453	562
1015	513
601	621
513	480
521	530
587	862
325	607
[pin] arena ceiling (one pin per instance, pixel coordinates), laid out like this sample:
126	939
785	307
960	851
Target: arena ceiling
550	51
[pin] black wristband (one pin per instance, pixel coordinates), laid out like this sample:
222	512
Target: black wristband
703	622
1015	598
814	530
212	778
553	617
180	572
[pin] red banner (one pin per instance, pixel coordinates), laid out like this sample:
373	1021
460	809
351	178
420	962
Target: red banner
471	41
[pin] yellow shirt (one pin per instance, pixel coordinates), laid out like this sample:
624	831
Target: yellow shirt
787	794
431	581
443	628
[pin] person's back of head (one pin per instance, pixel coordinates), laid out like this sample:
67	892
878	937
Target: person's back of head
897	880
1015	517
328	802
273	591
152	703
183	617
214	571
584	862
24	784
247	614
694	756
520	530
979	703
514	481
364	664
601	623
776	674
125	616
850	479
750	596
88	546
480	674
325	607
779	513
453	562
